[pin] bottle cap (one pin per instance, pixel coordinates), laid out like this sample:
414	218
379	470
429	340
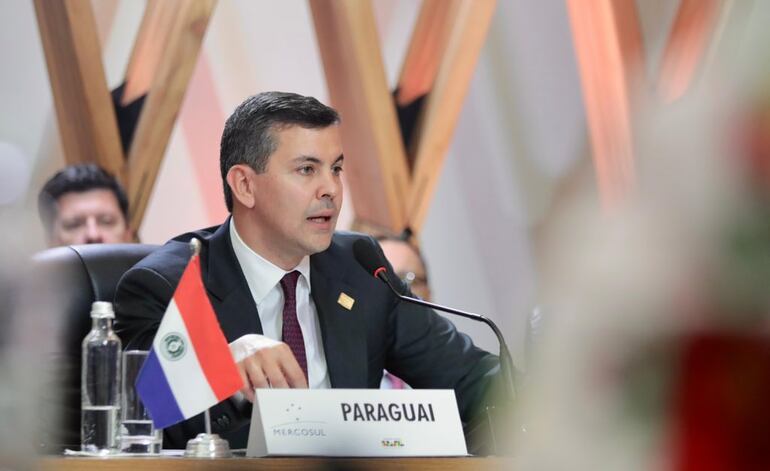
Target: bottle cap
102	310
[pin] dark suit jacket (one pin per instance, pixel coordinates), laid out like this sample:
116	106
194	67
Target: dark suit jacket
378	332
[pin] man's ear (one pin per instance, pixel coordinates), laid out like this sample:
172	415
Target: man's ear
241	182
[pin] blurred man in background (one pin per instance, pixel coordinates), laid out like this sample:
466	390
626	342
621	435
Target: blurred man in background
407	262
410	267
83	204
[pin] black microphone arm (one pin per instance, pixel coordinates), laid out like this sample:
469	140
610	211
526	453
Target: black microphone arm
506	362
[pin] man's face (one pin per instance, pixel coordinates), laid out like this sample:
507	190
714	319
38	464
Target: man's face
407	266
89	217
298	196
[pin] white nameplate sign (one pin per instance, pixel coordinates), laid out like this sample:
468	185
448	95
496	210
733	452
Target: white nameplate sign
355	422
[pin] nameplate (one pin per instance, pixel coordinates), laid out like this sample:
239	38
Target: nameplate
355	422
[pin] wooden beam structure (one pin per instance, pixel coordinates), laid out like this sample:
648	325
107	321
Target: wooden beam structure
426	47
469	20
160	68
167	68
690	37
376	168
608	46
146	55
439	64
86	117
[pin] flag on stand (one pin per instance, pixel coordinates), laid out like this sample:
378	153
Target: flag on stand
189	368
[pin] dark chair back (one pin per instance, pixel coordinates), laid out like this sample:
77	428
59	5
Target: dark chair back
73	277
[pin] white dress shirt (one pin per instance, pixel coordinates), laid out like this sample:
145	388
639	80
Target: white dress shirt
263	279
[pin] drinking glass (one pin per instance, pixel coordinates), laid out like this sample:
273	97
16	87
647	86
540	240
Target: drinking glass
137	433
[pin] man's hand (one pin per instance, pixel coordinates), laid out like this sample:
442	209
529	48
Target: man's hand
266	363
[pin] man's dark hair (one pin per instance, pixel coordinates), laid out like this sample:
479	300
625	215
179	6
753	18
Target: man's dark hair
77	178
248	137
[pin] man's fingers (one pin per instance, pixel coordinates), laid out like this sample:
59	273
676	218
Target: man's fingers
247	390
274	367
293	373
275	376
296	378
255	372
248	393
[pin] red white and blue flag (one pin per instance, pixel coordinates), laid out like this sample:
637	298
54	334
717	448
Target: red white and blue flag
189	368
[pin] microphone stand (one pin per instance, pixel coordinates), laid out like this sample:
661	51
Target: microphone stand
506	362
483	429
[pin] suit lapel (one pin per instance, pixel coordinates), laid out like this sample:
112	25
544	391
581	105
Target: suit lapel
343	330
229	293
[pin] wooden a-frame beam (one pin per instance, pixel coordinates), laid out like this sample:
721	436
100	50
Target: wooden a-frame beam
346	31
469	20
426	47
182	24
608	47
375	163
687	44
146	55
161	65
86	117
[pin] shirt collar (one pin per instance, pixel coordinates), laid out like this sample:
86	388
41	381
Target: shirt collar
261	274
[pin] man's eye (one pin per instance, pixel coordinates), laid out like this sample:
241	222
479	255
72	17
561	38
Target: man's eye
72	224
337	169
107	220
306	170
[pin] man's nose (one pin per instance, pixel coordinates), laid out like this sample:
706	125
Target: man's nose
93	232
330	187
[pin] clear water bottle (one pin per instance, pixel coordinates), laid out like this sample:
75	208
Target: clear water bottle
100	383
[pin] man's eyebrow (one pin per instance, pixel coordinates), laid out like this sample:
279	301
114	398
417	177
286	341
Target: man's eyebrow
316	160
306	158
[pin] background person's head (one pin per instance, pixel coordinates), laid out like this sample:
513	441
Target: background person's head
408	264
281	163
83	204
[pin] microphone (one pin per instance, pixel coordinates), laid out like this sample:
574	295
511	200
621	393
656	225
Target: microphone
368	257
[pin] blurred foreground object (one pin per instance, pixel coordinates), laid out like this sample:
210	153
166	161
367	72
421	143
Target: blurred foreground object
657	350
67	280
20	355
722	410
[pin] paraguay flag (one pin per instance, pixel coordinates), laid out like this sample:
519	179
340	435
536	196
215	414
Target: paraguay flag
189	368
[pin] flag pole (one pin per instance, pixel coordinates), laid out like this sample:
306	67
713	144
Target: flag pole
195	246
206	445
207	419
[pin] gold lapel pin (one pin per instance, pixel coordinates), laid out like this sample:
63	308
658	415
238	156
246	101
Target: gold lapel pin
346	301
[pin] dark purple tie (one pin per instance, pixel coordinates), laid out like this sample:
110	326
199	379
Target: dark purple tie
292	334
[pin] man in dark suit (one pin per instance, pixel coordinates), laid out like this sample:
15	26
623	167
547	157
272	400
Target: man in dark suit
296	307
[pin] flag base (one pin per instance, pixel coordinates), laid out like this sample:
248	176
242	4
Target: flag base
208	445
